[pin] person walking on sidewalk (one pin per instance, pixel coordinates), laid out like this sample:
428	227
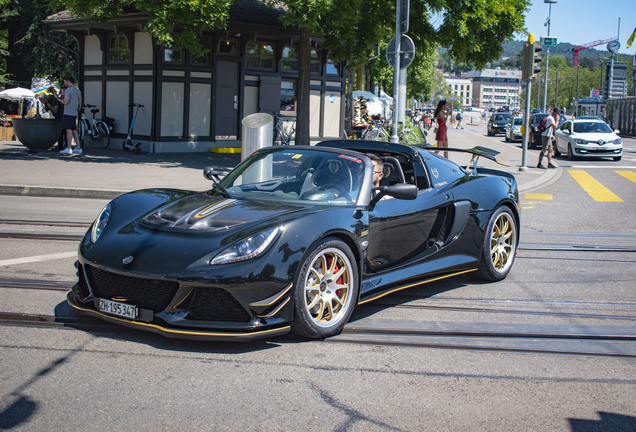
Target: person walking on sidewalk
547	136
441	115
460	117
71	101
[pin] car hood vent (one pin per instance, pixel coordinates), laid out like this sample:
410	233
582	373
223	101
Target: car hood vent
202	212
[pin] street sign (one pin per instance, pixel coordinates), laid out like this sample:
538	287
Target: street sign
407	52
548	41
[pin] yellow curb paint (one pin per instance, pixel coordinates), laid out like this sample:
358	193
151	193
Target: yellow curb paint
225	150
629	175
539	196
596	190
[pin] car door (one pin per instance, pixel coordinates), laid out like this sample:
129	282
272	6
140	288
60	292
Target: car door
403	231
562	136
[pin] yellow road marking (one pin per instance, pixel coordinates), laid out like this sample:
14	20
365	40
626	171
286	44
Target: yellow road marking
539	196
596	190
629	175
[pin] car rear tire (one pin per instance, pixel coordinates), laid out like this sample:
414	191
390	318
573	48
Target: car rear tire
326	290
556	150
499	246
507	140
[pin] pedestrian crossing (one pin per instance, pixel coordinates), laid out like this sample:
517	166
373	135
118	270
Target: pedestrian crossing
588	183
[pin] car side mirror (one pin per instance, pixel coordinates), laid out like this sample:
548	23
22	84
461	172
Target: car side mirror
616	131
403	191
211	174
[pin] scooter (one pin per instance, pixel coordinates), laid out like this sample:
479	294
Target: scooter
128	144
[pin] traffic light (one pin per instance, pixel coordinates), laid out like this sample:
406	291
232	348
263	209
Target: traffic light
531	60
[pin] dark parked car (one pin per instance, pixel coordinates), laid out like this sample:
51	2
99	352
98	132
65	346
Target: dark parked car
535	119
497	123
293	239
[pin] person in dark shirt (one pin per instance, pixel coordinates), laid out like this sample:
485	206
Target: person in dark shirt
53	106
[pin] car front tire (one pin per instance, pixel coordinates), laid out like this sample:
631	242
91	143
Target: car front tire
499	246
326	290
570	153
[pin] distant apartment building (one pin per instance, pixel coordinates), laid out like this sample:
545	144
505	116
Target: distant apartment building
495	88
462	89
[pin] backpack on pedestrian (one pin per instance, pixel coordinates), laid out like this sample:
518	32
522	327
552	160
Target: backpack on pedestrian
541	125
458	116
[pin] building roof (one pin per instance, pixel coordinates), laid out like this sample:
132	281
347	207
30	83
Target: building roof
246	11
494	73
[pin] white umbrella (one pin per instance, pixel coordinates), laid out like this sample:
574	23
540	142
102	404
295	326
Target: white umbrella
17	93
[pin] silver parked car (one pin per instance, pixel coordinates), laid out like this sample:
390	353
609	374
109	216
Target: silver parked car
513	129
588	138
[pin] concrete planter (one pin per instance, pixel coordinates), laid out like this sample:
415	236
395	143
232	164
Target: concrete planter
37	133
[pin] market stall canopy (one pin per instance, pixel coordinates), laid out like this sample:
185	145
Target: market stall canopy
17	93
374	106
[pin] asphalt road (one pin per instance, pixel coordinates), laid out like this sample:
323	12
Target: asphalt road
552	347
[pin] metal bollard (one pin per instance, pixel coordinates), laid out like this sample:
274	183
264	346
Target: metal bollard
258	132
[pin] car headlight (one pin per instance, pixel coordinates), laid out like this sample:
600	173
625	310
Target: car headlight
618	141
100	222
580	141
247	248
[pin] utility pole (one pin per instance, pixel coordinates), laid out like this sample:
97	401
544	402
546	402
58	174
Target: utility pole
547	56
396	75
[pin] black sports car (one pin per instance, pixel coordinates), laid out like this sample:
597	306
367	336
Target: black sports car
293	239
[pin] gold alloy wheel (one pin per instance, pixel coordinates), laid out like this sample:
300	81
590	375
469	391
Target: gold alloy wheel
328	287
503	241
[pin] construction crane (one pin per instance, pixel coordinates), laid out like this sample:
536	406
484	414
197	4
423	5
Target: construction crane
578	48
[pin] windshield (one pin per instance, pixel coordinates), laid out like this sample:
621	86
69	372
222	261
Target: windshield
297	175
592	127
501	117
518	122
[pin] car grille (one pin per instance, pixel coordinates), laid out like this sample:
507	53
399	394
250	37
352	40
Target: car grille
144	293
216	304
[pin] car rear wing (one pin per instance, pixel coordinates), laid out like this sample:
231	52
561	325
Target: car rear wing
500	157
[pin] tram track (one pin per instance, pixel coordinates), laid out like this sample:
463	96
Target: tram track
586	345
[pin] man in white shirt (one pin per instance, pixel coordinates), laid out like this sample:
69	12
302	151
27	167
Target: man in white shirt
547	137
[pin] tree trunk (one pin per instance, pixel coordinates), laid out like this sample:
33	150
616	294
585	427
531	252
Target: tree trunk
303	91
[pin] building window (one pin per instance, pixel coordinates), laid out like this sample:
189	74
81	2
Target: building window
228	47
290	60
288	96
203	60
467	88
118	51
455	86
332	67
172	55
260	56
462	87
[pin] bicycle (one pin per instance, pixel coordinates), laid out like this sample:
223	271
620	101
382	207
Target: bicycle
98	130
375	132
128	144
283	133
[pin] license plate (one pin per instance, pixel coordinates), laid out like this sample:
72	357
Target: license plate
117	308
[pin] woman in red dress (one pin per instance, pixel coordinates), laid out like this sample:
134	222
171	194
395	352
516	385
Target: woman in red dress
441	115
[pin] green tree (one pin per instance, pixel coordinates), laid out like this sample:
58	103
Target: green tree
27	53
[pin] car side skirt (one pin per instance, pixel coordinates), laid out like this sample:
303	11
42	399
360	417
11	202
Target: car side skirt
376	295
179	333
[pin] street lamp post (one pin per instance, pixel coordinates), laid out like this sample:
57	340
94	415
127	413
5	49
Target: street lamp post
547	54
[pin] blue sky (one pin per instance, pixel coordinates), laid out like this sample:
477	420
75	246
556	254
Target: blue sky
581	21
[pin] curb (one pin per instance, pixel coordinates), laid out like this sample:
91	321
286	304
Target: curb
53	192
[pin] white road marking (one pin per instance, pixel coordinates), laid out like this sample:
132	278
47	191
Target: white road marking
37	258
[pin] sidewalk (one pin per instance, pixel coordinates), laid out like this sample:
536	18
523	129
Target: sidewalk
105	174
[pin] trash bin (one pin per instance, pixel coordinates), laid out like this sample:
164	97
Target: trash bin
258	132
